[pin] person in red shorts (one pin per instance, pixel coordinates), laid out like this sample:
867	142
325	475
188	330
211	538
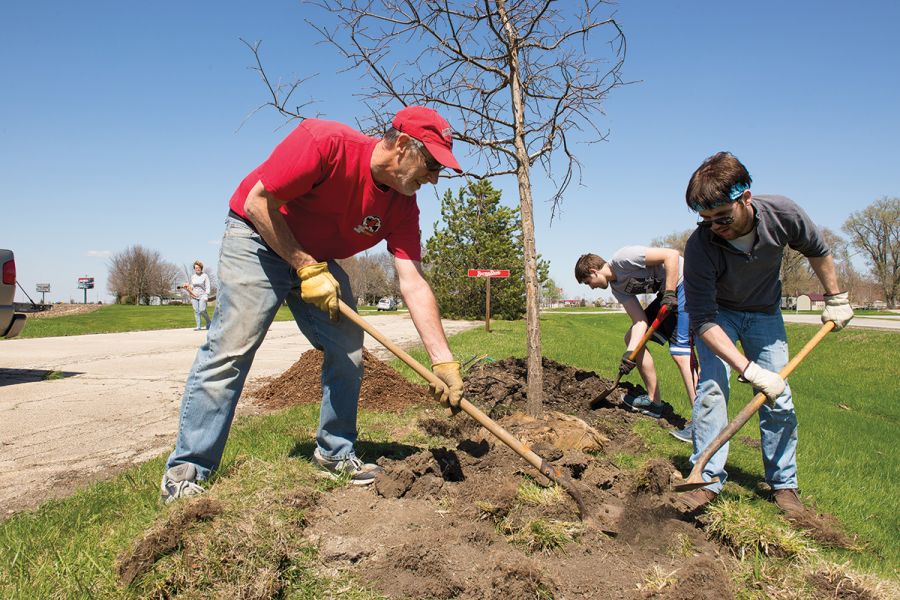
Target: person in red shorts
326	192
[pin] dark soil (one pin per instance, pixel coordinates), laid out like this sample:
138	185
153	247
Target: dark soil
454	521
823	528
382	388
448	522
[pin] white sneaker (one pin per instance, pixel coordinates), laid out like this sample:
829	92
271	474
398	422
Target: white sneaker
179	482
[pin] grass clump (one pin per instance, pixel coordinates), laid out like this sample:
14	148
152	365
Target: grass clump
541	535
535	495
656	580
248	545
743	528
681	547
809	578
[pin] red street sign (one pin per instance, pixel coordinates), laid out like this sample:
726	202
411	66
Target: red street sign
488	272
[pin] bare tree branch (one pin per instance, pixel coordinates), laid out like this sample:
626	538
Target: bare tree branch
521	81
280	93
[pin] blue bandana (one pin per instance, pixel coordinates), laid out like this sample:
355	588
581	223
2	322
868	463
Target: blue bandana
735	193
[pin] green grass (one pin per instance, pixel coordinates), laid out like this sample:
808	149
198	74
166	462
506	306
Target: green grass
117	318
576	309
845	392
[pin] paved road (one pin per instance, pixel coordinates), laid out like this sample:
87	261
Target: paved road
880	322
117	401
888	322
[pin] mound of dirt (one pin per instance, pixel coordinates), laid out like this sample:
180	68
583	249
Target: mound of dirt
382	387
474	520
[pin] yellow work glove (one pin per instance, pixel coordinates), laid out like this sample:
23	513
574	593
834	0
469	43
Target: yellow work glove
451	393
319	287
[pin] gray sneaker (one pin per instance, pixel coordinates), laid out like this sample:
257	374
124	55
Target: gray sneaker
644	405
684	435
179	482
359	473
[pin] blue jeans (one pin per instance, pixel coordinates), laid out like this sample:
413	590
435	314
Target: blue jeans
200	311
765	342
253	283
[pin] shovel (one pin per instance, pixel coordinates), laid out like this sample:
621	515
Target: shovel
695	478
660	317
546	469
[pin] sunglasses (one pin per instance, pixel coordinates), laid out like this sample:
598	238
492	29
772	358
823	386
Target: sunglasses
717	221
431	164
724	220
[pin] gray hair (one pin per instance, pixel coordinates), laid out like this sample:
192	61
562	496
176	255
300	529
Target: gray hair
391	135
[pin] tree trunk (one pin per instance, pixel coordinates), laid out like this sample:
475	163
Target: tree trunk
535	397
534	401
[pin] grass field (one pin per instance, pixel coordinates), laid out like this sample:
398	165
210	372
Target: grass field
117	318
845	392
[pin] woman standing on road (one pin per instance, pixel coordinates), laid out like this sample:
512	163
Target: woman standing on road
198	289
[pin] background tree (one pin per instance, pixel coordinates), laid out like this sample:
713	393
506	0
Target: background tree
676	240
550	292
477	233
137	273
875	231
516	78
797	277
371	276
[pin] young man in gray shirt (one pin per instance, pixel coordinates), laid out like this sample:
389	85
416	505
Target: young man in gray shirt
733	292
634	270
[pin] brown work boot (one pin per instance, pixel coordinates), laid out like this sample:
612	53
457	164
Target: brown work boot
789	502
695	500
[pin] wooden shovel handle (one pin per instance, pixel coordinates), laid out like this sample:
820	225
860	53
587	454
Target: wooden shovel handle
660	317
470	409
754	405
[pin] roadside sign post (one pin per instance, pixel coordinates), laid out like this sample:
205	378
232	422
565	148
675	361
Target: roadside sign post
43	288
85	283
488	274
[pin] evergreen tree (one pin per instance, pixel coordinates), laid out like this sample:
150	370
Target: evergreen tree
478	233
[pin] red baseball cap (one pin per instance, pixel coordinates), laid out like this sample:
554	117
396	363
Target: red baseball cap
430	128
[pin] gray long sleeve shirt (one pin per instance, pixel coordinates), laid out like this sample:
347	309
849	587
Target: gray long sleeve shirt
718	274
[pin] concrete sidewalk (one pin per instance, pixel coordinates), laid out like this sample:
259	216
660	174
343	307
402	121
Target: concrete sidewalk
117	400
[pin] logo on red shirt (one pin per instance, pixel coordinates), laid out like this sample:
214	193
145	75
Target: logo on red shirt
369	226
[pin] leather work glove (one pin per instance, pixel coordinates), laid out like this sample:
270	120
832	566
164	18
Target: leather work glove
768	382
837	309
450	394
319	287
670	299
626	364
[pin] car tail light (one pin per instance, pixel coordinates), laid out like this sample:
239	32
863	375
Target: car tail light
9	272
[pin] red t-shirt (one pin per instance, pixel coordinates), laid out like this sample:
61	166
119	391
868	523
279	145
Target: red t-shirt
322	170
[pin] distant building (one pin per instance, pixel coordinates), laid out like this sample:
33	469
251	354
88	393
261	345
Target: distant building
810	302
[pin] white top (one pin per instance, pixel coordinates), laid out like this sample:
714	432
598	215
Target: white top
200	286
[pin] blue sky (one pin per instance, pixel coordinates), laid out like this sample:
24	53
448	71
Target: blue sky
125	123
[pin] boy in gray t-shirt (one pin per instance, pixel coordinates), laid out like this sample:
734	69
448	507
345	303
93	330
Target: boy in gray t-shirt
634	270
